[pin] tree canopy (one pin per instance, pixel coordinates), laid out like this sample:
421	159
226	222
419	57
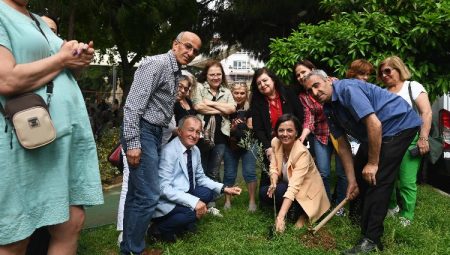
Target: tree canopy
252	24
415	30
137	28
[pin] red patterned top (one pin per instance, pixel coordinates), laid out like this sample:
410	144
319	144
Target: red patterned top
315	118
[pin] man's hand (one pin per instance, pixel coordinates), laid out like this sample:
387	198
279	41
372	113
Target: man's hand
423	146
232	190
134	157
369	173
352	190
200	209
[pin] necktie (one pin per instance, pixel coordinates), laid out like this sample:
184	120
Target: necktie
190	172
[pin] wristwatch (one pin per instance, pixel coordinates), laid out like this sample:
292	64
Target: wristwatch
222	190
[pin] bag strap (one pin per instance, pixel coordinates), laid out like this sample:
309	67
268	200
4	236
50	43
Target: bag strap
38	24
414	106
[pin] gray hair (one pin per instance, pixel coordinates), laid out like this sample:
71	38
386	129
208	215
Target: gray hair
181	122
180	36
318	72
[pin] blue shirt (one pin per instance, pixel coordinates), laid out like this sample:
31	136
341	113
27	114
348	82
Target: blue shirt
352	100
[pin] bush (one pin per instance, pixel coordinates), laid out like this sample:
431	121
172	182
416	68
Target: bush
108	141
415	30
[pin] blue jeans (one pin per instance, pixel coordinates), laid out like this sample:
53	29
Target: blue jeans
231	161
182	219
323	160
211	160
143	190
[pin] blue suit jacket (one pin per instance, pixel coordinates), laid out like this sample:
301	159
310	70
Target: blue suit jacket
174	178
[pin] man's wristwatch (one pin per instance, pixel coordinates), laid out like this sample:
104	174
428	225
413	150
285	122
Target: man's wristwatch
222	190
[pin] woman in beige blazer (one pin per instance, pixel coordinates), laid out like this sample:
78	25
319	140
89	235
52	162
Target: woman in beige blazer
294	174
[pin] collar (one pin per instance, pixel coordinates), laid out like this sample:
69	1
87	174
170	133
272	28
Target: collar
277	96
334	96
207	87
173	61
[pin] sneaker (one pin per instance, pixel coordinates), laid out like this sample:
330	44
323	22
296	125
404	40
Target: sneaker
404	222
214	212
119	238
340	212
392	212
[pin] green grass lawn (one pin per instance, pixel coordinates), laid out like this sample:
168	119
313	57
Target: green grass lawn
240	232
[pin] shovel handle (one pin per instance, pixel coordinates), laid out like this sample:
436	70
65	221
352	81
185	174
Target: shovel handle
329	216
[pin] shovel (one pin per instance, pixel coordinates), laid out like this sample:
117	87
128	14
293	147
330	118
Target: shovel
328	217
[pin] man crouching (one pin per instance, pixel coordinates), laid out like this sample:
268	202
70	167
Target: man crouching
185	189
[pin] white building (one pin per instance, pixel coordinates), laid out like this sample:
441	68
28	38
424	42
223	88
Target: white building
240	66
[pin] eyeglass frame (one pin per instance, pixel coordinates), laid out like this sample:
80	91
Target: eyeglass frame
387	71
189	47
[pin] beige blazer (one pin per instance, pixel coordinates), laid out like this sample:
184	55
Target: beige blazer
305	184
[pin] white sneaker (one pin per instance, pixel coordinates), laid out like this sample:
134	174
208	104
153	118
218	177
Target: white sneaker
404	222
214	212
392	212
119	238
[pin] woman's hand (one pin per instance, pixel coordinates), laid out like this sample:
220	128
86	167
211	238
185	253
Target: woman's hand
269	152
75	55
280	224
273	184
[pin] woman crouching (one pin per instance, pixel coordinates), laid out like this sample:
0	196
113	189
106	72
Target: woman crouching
294	177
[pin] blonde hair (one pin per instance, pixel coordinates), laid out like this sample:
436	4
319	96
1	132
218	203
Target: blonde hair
396	63
244	85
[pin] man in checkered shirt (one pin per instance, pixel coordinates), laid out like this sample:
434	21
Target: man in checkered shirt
149	108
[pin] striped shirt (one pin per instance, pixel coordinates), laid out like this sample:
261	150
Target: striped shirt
151	97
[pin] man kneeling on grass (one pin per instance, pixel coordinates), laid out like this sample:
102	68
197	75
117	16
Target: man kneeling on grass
185	189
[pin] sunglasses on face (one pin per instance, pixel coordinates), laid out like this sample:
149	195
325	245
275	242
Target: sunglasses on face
387	71
189	47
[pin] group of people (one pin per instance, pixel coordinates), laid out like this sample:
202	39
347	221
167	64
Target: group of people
321	110
176	132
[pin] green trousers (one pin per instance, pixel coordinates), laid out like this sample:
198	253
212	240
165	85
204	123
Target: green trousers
406	183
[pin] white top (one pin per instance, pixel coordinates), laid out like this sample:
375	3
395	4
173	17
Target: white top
284	172
416	89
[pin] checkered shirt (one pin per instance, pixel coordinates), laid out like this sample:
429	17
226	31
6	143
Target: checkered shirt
151	97
315	118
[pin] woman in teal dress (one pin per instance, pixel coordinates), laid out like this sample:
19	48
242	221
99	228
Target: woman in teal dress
50	185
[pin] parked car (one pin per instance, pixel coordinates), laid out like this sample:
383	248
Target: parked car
436	166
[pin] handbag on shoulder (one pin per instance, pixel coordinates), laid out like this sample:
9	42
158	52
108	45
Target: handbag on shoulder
29	115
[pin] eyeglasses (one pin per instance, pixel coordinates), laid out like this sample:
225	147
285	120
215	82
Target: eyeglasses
189	47
387	71
183	88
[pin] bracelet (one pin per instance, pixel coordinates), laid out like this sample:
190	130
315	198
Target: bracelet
423	138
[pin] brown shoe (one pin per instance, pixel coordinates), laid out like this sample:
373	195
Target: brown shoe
150	251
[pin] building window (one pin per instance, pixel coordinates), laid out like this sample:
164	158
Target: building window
239	64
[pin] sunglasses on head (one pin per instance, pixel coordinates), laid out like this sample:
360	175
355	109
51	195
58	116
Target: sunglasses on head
387	71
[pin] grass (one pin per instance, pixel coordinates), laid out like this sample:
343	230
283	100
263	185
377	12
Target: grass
240	232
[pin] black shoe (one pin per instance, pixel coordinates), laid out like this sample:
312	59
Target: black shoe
364	246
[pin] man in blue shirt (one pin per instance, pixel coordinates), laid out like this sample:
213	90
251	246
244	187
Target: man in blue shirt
149	108
385	124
